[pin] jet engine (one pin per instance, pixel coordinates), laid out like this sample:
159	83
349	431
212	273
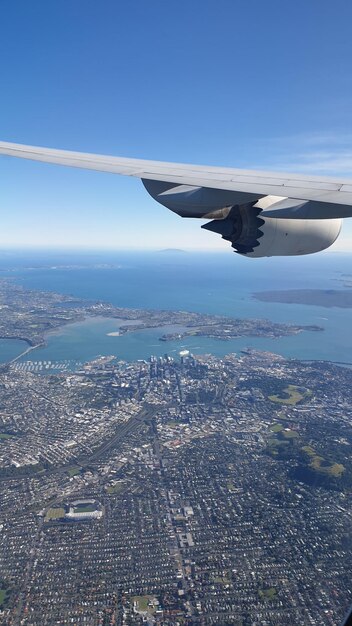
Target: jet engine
262	226
254	235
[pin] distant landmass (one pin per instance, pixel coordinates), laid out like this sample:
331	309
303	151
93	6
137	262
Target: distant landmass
173	250
320	297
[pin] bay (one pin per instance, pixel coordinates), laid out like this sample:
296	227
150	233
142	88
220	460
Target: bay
10	348
209	283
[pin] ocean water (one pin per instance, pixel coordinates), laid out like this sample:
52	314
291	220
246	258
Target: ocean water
210	283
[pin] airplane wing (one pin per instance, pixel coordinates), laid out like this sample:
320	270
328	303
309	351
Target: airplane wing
246	182
204	191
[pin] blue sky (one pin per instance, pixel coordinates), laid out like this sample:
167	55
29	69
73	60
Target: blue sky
262	84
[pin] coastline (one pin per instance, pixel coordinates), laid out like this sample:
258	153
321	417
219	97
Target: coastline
224	330
57	331
172	329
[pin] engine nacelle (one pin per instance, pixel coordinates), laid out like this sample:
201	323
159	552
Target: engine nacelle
249	223
255	236
285	237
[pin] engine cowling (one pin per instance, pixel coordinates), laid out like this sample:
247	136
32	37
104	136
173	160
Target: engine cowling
254	235
285	237
250	223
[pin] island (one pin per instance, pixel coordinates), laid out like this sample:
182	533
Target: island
328	298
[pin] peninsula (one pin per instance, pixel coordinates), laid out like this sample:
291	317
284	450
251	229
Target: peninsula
30	315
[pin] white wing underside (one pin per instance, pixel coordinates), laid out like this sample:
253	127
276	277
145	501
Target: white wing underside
248	184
